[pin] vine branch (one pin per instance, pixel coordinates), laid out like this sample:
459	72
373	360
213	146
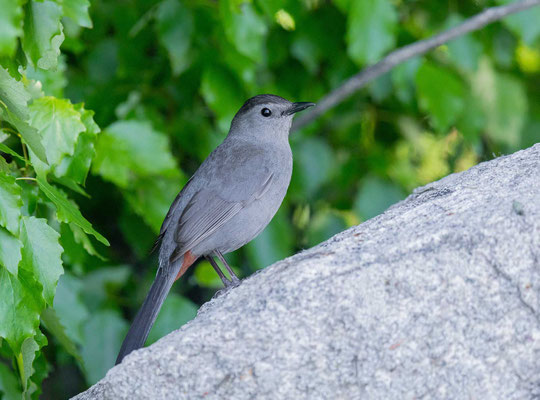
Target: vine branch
368	74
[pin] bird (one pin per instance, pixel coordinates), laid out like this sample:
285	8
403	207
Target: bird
227	202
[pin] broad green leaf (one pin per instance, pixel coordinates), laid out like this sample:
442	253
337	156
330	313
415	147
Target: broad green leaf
441	94
76	166
52	323
40	370
102	284
77	10
223	93
206	276
14	95
403	78
271	7
69	307
26	358
503	100
375	196
10	251
314	165
52	82
324	225
9	384
20	307
175	312
66	210
59	124
371	27
524	24
175	27
10	25
152	198
465	50
244	28
42	254
82	238
127	149
42	33
103	336
135	232
29	134
9	150
10	203
70	184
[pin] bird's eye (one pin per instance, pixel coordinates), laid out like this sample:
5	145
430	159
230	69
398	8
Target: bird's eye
266	112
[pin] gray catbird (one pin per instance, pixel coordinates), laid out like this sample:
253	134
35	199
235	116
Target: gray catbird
227	202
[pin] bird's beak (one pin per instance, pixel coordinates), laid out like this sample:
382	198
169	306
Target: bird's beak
295	107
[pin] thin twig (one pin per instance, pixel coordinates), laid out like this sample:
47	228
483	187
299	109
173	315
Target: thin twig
368	74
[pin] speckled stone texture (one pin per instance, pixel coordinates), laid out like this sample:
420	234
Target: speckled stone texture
437	298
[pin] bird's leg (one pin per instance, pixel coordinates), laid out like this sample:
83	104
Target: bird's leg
234	278
225	281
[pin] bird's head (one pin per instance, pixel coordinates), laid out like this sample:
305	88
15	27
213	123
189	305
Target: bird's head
266	116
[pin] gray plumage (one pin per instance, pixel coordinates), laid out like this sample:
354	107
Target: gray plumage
227	202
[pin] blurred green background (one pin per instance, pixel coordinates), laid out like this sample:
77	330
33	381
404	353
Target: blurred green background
164	79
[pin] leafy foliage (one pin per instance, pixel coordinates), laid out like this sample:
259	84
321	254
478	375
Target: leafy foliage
162	79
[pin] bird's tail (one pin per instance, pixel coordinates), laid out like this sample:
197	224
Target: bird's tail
138	332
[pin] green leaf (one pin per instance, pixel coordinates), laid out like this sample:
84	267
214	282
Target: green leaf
42	33
9	384
127	149
314	165
52	82
403	78
59	124
244	28
26	358
30	135
69	308
20	307
175	28
103	284
10	203
324	225
40	370
52	323
375	196
10	251
82	238
371	27
441	94
152	198
10	26
524	24
14	95
223	93
206	276
42	254
77	10
465	50
503	100
103	336
8	150
66	210
76	166
176	311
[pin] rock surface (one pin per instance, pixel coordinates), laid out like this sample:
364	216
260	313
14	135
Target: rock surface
439	297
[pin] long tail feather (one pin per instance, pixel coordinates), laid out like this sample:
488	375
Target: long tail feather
138	332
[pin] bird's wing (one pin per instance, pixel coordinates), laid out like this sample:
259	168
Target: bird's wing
207	211
169	216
